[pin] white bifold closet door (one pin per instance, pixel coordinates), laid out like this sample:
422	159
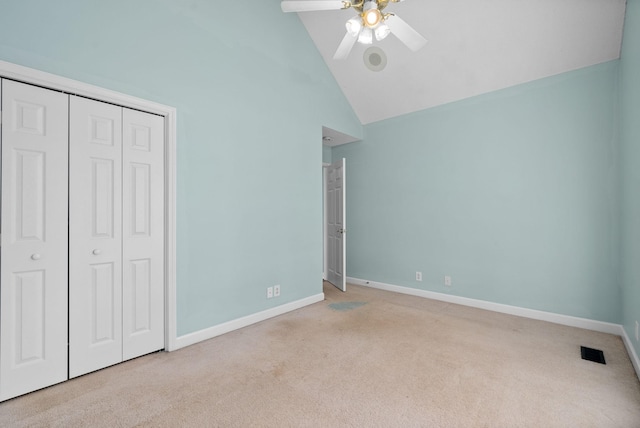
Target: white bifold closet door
142	233
95	235
33	253
116	237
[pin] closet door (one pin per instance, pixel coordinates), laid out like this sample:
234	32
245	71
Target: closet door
33	253
143	233
95	236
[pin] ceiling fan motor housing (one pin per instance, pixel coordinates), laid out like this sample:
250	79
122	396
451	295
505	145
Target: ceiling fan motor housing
363	5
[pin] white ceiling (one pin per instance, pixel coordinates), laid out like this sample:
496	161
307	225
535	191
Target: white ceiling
475	47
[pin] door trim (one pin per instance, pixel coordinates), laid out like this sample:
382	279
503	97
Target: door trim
325	270
58	83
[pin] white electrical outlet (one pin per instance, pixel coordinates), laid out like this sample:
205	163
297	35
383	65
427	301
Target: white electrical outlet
276	290
637	332
418	276
447	281
269	292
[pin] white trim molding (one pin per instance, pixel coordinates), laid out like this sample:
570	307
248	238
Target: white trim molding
51	81
229	326
633	356
603	327
599	326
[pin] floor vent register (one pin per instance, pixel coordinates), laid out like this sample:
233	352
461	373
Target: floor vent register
590	354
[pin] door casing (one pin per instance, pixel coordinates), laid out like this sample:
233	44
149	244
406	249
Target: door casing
50	81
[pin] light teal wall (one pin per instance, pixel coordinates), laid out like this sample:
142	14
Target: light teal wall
514	194
252	94
630	95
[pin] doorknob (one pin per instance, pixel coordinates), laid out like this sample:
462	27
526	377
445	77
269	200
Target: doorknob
96	252
35	256
341	230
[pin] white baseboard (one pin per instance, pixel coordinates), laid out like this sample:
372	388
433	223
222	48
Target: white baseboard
603	327
217	330
600	326
631	351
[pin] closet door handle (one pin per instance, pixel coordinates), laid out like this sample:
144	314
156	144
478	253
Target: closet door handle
35	256
96	252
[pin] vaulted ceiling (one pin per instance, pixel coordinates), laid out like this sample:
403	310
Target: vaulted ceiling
475	47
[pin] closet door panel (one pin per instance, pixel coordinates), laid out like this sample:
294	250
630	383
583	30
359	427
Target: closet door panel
95	236
143	233
33	252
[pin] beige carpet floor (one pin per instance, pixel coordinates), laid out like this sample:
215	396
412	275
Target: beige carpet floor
365	358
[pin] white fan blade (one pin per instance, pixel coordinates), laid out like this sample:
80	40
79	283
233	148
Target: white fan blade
345	46
405	33
313	5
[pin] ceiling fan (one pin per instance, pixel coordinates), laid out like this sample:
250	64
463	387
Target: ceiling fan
370	22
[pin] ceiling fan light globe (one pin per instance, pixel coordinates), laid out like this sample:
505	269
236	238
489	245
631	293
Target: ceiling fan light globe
366	36
382	31
372	17
354	25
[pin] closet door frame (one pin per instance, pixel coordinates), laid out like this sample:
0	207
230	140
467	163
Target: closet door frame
50	81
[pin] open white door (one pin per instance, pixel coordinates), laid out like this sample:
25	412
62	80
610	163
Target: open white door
336	225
